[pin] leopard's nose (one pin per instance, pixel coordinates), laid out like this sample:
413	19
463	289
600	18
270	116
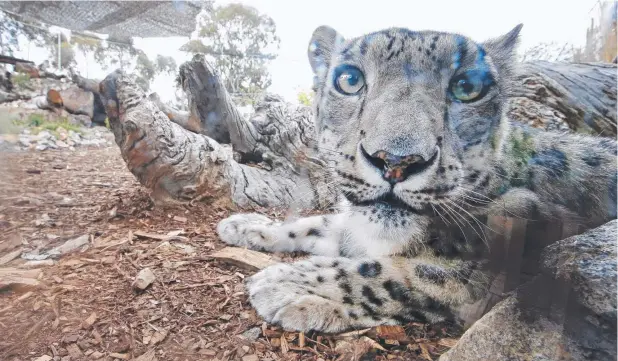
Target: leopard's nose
396	168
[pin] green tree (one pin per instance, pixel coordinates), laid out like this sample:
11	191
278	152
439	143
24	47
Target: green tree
67	54
240	43
12	30
166	64
120	53
305	97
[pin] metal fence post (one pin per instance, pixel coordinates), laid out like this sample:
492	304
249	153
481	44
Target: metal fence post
59	51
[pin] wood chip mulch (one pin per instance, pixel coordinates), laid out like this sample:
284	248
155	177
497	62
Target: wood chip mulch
188	304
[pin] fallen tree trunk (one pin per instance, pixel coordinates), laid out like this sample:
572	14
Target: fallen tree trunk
97	114
86	84
177	116
581	95
181	165
187	159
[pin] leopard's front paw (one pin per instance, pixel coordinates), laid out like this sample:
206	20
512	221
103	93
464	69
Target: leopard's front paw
295	299
244	230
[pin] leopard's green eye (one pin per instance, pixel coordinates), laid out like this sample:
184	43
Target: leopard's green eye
470	86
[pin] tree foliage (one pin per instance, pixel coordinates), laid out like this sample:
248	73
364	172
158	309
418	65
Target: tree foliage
239	42
305	97
120	53
12	29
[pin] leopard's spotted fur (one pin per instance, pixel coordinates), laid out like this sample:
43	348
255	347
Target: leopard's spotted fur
381	259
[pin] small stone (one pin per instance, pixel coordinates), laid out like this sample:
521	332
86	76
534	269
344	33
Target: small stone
185	248
61	144
24	141
143	279
44	135
252	334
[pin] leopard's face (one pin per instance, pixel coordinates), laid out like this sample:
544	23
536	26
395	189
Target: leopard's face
409	120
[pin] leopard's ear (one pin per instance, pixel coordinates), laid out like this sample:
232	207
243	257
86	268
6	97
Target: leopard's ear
503	48
321	49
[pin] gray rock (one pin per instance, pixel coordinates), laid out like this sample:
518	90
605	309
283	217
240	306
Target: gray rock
25	141
568	312
44	135
144	278
81	119
252	334
61	144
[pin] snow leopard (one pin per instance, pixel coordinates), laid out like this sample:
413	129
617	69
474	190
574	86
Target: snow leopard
413	127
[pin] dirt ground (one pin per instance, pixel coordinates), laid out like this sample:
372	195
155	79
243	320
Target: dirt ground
84	307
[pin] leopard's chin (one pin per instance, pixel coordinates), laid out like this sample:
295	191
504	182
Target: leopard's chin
390	202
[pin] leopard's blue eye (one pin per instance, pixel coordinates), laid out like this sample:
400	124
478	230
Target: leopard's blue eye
470	86
349	80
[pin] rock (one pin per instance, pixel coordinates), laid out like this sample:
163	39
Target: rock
44	135
61	144
143	279
24	141
78	101
568	312
185	248
80	119
27	68
252	334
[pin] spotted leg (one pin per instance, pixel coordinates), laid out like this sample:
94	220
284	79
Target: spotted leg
252	230
335	294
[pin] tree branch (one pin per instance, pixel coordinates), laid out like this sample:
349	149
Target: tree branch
180	165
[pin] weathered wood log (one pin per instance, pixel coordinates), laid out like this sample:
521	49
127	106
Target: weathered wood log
86	84
98	109
181	165
279	136
582	95
177	116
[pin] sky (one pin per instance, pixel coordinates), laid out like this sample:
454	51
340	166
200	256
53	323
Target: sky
563	21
